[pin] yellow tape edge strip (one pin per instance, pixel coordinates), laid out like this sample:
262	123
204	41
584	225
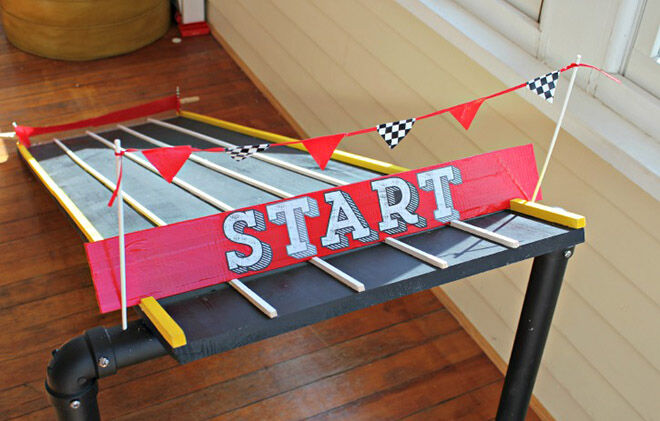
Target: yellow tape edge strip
547	213
347	157
168	328
65	201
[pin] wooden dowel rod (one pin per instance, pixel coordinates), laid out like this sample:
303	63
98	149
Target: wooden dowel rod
417	253
189	100
254	298
485	234
338	274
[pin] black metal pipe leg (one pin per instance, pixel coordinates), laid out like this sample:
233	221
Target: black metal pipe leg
73	372
533	328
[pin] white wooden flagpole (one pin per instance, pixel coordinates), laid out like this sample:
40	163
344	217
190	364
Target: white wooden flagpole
122	248
557	127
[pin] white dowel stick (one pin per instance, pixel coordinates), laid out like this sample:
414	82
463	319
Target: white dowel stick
486	234
338	274
189	100
557	127
10	135
253	298
417	253
122	248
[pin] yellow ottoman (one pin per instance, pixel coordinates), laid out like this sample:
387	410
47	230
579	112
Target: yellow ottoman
83	29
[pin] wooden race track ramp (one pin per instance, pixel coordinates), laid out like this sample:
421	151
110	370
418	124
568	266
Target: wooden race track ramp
408	357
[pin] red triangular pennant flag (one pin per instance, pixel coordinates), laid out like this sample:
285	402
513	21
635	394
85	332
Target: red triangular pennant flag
168	161
465	113
321	148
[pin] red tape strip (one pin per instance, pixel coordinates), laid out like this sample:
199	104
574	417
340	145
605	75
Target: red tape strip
142	110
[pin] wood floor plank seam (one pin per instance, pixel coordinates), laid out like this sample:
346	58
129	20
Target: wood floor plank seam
45	211
482	386
338	373
34	278
335	344
351	338
408	383
45	350
280	363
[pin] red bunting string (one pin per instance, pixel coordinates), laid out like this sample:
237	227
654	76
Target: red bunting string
169	160
572	65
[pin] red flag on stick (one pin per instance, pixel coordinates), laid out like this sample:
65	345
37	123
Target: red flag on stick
168	161
465	113
321	148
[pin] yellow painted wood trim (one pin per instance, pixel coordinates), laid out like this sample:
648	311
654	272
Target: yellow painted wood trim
547	213
168	328
65	201
347	157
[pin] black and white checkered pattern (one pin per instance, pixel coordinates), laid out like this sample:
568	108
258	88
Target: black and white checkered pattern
239	153
544	86
394	132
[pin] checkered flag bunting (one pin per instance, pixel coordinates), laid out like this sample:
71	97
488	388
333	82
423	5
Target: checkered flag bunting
544	86
395	131
239	153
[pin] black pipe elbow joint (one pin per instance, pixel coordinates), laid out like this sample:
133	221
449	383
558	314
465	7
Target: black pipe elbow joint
73	371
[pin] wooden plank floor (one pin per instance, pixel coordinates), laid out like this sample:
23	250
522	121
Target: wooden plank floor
404	359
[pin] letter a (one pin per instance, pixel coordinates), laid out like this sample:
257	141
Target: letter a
345	217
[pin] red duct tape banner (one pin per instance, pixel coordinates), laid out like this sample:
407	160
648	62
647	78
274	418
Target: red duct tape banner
197	253
142	110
